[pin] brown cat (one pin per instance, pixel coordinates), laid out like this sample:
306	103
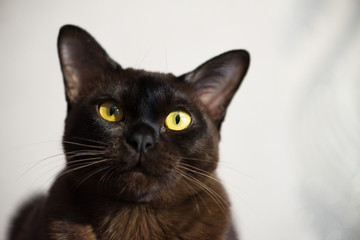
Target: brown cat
141	150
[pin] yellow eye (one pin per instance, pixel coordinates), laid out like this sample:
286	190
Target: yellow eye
178	120
111	112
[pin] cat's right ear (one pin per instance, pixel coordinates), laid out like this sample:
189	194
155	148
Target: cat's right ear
217	80
82	60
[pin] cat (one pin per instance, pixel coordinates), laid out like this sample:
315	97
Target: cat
141	150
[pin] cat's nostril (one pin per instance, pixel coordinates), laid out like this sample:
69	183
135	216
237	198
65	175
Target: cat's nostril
148	142
141	141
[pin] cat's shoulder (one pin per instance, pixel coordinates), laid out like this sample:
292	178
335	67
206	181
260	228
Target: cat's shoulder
28	213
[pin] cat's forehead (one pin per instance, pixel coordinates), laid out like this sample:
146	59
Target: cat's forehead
145	80
143	85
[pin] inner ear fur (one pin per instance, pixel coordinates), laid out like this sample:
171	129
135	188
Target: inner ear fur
82	60
217	80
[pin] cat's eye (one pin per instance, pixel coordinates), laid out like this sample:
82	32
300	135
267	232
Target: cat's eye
111	112
178	120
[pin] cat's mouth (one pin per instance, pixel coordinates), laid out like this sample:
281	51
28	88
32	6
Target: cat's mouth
137	170
137	167
137	184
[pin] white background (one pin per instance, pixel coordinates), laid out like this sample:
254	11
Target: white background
290	151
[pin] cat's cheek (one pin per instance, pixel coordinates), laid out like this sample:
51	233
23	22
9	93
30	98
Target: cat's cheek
192	141
106	129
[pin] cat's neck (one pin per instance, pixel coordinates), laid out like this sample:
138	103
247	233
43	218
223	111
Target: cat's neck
119	219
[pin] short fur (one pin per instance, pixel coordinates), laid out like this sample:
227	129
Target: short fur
115	187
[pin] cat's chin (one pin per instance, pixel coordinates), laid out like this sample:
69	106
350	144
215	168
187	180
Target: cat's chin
137	176
137	186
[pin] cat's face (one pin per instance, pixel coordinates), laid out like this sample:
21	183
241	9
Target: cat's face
132	134
142	154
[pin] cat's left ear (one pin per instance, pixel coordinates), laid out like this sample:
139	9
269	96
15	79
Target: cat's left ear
217	80
83	61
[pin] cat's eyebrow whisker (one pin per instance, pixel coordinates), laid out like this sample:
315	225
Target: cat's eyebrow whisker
83	145
143	58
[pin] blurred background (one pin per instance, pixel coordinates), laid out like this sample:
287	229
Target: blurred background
290	150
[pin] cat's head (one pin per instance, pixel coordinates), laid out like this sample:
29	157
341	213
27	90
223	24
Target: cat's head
133	134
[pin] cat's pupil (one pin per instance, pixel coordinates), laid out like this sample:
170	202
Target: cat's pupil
112	110
177	119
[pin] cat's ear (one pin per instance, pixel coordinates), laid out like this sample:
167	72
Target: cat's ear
82	60
217	80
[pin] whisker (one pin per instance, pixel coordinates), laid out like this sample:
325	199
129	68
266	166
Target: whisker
37	163
77	155
193	159
107	179
88	176
81	167
74	163
205	174
224	206
84	139
84	160
221	163
49	178
101	182
207	190
194	191
122	190
78	166
71	154
27	145
143	58
205	184
85	151
198	171
83	145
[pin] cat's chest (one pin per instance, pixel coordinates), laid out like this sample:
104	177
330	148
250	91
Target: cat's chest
137	222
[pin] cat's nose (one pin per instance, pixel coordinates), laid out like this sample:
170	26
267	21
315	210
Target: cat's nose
141	139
